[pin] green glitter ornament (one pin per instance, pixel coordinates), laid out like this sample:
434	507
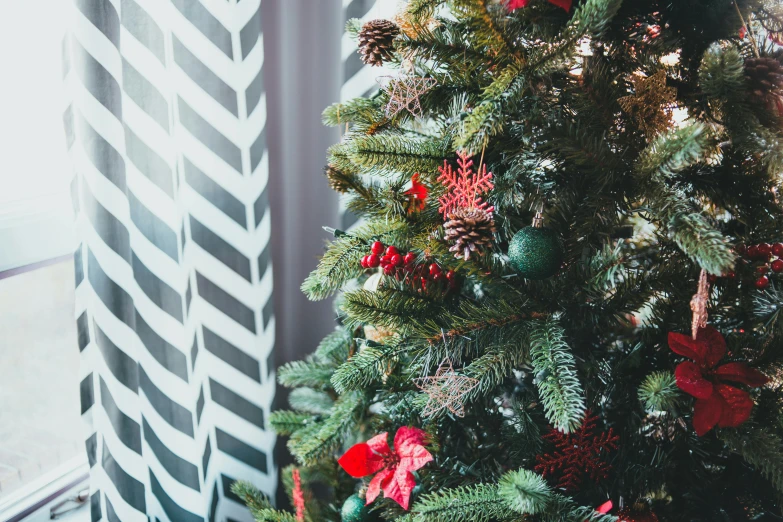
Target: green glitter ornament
535	252
354	510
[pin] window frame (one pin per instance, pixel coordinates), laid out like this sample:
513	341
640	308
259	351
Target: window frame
32	502
54	225
35	230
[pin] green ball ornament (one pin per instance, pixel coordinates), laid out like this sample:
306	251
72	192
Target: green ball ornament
536	252
354	510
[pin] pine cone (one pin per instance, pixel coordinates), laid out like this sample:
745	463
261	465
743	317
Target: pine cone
469	230
376	41
336	178
765	77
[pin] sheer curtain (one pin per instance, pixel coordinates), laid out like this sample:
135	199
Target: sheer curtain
195	138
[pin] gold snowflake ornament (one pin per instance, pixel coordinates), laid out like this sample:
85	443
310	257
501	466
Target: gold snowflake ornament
647	106
404	93
446	390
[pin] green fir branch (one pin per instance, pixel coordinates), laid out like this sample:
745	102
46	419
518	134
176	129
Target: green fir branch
760	448
260	508
659	392
391	153
477	503
363	369
558	384
668	155
322	438
305	373
335	347
387	307
287	422
309	400
342	260
524	491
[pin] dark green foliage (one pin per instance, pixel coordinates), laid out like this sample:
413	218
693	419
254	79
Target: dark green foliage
533	94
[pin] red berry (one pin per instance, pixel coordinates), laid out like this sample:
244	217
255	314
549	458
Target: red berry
364	262
409	258
762	282
388	270
424	282
777	249
373	261
764	249
752	252
385	260
450	275
438	277
396	260
712	278
391	250
434	269
777	266
761	270
409	268
377	248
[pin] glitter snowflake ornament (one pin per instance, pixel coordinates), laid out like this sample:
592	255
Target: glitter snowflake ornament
446	390
405	94
577	455
469	224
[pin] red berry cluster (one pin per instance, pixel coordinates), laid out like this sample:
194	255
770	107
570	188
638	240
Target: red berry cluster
394	263
764	252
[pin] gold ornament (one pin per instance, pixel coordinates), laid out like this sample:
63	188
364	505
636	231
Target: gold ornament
446	390
404	93
647	106
699	305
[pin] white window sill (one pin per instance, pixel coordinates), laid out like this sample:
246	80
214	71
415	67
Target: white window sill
33	503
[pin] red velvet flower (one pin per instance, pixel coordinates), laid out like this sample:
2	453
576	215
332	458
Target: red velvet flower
417	194
393	468
516	4
716	402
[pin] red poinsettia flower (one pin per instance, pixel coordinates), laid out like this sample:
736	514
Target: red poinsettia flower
716	402
417	194
516	4
392	467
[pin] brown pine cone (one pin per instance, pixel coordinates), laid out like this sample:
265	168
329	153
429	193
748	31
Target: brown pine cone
469	230
376	41
337	180
764	76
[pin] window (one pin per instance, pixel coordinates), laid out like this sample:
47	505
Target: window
41	447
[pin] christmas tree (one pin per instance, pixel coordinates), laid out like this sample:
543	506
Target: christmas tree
563	301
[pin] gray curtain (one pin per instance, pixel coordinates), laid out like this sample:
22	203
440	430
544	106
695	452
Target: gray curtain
197	152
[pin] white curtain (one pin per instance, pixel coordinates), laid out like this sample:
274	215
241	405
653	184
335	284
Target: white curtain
195	137
166	130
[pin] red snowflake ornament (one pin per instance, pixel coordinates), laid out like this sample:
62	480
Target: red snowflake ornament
393	468
464	187
577	455
417	195
717	403
513	5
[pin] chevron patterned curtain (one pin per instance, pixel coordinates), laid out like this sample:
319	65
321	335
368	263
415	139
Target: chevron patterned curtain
165	123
